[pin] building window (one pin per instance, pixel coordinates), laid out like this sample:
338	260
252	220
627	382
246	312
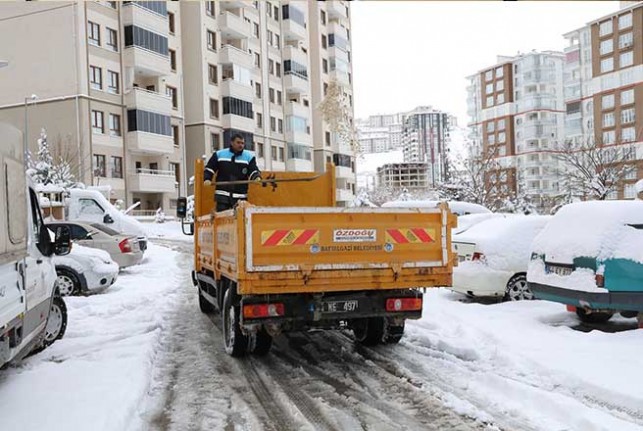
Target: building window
277	41
213	74
172	59
278	69
137	36
489	88
171	23
491	139
488	76
607	102
112	82
490	126
607	65
98	123
608	119
274	153
500	99
280	125
175	136
500	85
502	137
271	94
325	65
257	59
279	100
607	46
608	137
322	16
214	108
270	37
176	168
271	67
625	40
139	120
173	94
627	97
327	138
324	41
99	165
628	134
281	154
625	21
489	101
260	152
93	33
112	39
501	124
257	90
273	124
629	191
255	29
112	4
499	72
626	59
96	77
115	125
242	108
209	8
117	167
215	142
259	118
605	28
275	13
212	41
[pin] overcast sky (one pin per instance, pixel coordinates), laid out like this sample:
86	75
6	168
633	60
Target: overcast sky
407	54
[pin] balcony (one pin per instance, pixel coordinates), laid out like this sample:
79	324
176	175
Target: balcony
139	98
339	76
232	88
140	16
295	54
230	121
299	165
335	27
294	108
335	10
234	4
343	195
294	83
233	26
334	51
149	143
152	181
344	172
234	55
145	62
292	30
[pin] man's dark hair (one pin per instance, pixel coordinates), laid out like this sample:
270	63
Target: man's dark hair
235	136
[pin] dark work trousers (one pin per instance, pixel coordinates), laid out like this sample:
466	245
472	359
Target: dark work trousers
225	203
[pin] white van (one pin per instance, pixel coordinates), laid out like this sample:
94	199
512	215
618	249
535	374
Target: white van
32	316
91	206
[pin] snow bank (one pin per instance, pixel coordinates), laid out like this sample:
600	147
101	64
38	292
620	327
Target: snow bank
459	208
98	374
167	230
466	221
581	279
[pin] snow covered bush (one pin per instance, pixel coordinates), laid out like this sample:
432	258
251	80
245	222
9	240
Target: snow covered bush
160	216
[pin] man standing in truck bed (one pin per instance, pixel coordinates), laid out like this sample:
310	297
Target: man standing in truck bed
232	164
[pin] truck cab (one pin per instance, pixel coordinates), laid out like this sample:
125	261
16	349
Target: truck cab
32	316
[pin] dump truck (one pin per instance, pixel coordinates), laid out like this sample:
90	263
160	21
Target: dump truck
288	259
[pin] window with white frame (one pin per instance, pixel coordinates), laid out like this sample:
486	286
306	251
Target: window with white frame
629	191
491	139
629	153
608	119
93	33
626	59
607	46
489	101
499	72
605	28
630	172
488	76
625	21
500	98
628	134
502	151
112	82
628	115
609	137
500	85
607	65
627	97
501	124
98	122
490	126
502	137
489	88
625	40
612	195
607	102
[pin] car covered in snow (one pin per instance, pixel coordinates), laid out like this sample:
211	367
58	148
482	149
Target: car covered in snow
493	255
84	270
590	257
123	249
456	207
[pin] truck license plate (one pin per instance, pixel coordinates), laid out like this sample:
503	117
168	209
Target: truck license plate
339	306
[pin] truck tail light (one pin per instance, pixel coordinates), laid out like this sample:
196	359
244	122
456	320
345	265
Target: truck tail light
403	304
259	311
125	246
600	280
478	256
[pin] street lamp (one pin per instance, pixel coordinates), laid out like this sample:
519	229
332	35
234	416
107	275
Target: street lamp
33	97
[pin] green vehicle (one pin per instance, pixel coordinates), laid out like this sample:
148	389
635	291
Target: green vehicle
590	257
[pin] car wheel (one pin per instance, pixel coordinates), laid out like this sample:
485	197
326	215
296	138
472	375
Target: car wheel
67	283
593	317
236	343
518	289
56	324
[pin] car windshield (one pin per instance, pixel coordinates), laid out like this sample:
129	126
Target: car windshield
105	229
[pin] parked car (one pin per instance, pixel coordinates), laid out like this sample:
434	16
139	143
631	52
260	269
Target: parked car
493	255
84	270
123	249
456	207
590	257
467	221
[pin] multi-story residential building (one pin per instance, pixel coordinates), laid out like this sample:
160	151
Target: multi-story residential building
425	138
139	90
604	75
373	130
374	140
516	114
401	176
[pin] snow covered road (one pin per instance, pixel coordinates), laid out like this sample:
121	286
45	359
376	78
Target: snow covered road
141	356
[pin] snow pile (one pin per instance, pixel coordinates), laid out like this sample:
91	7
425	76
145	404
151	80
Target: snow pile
97	376
581	279
626	243
469	220
168	230
456	207
505	241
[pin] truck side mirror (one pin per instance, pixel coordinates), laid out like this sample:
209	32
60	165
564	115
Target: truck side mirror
181	207
107	219
62	243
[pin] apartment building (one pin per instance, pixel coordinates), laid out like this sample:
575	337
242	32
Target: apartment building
517	115
380	133
405	176
373	140
140	89
604	88
425	138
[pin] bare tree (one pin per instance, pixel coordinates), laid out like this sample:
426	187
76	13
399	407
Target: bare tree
337	112
592	171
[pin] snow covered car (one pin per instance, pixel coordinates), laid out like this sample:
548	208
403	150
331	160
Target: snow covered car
590	257
456	207
84	270
123	249
493	256
467	221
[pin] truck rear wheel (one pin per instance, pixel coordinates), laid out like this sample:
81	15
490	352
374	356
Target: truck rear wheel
259	343
377	330
236	343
